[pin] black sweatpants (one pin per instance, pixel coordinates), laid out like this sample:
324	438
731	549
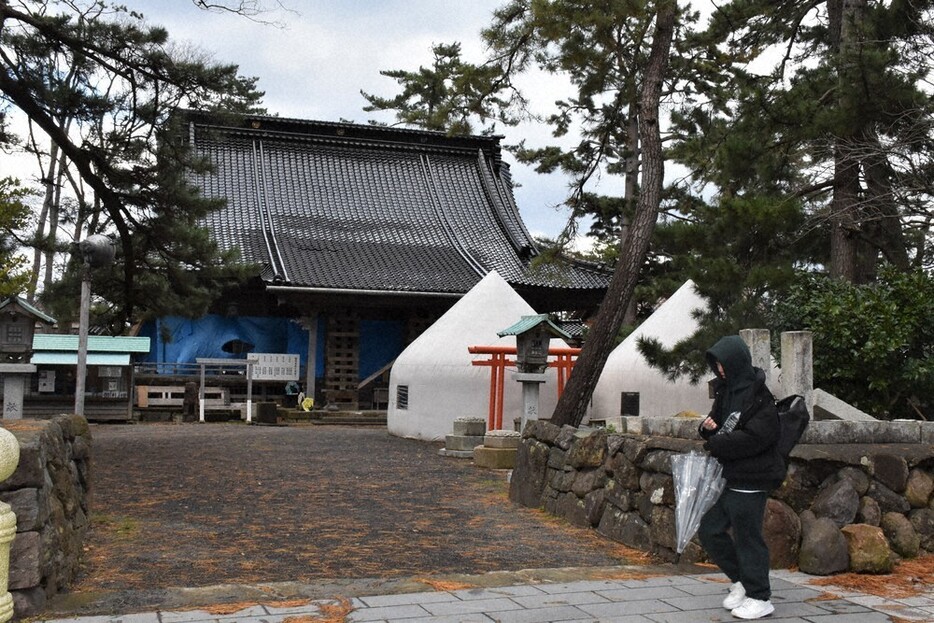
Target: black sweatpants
744	557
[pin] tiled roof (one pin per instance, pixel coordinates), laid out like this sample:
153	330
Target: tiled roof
341	206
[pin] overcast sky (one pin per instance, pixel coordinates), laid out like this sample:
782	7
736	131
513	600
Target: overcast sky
328	50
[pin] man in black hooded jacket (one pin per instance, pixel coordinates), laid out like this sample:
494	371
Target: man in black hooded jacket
741	432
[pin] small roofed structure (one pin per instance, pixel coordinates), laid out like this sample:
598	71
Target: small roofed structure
18	321
630	386
533	337
433	381
110	381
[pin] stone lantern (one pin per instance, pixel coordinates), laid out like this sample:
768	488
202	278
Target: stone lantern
533	337
17	325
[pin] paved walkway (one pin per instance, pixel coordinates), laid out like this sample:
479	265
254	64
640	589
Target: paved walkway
645	598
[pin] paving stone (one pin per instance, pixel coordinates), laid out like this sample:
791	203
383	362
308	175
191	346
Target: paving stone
405	599
621	608
473	606
561	599
387	613
540	615
589	585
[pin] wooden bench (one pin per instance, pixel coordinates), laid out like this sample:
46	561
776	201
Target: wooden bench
173	397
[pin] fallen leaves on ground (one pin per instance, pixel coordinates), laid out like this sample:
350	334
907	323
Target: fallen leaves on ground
330	613
444	585
196	505
908	579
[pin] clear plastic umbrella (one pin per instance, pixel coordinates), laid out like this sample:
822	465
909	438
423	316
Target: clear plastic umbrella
698	485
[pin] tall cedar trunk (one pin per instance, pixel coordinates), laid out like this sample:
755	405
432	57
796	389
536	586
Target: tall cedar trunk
572	406
845	240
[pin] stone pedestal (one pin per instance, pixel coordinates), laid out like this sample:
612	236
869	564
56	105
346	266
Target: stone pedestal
468	434
530	383
9	458
499	450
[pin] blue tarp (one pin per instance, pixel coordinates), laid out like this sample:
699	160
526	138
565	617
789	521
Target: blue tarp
189	339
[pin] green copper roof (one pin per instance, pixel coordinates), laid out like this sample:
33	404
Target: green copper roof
15	300
527	323
71	359
96	343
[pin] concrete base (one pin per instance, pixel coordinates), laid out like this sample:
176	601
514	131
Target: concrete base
502	439
457	454
494	458
462	442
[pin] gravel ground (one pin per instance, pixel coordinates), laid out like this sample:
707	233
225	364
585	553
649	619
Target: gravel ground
177	505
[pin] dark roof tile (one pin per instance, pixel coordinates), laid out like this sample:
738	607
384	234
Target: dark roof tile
348	207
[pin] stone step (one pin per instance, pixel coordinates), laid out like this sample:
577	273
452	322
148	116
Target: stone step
335	418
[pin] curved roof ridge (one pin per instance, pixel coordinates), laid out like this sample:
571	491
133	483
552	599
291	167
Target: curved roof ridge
259	193
446	223
270	223
496	203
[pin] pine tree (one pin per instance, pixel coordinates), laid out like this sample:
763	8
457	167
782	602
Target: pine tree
13	213
106	90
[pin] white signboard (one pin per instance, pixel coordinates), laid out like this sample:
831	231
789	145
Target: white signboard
274	367
46	381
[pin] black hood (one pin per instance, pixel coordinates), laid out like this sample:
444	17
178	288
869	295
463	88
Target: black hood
731	351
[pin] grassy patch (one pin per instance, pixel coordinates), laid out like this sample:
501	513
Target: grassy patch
124	527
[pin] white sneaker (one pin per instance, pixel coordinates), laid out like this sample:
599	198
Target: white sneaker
736	596
753	609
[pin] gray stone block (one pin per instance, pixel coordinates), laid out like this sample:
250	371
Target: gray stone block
462	442
25	504
28	602
457	454
24	561
494	458
502	439
658	426
927	433
841	432
470	427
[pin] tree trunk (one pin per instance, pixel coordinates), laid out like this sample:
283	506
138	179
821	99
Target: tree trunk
848	259
572	406
631	189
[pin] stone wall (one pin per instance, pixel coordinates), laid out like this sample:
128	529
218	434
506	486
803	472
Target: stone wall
49	494
843	506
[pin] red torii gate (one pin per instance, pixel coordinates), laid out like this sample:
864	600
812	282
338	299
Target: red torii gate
498	362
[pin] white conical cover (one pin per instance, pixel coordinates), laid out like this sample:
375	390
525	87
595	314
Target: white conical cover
627	371
436	368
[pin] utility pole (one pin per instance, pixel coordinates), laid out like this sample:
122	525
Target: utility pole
96	251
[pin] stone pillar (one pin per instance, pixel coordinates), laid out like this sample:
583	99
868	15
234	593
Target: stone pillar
14	376
9	458
530	383
798	365
13	390
759	345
